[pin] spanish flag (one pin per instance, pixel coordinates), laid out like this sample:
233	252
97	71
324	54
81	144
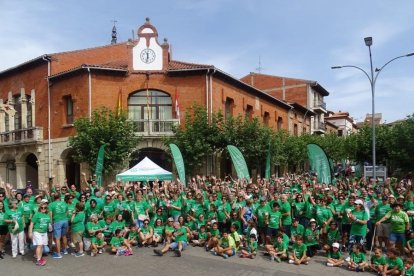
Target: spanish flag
119	105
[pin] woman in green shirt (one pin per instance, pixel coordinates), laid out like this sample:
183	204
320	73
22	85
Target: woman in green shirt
78	228
38	229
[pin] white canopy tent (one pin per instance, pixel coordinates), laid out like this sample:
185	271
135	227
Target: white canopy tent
146	170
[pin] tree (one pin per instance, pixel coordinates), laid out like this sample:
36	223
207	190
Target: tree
108	128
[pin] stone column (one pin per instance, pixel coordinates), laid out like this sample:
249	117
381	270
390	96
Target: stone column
11	118
3	171
33	101
23	103
60	177
2	118
21	175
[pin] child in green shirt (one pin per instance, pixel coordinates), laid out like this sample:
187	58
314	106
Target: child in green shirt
377	261
334	256
97	244
393	264
299	256
202	237
251	250
279	249
408	268
357	259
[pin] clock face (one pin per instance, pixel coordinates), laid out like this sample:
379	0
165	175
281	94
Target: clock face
147	55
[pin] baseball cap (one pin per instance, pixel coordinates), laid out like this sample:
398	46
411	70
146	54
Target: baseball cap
359	202
44	200
263	198
335	245
312	220
390	196
170	219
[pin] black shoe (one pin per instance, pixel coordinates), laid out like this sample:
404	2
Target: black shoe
1	255
177	253
158	252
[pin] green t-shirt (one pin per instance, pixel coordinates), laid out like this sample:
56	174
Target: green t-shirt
117	225
274	219
59	211
322	214
359	228
41	222
215	233
98	242
252	246
357	257
332	236
78	223
280	246
409	272
299	250
159	230
117	241
140	208
93	227
182	237
381	210
71	208
2	216
299	208
286	208
378	260
261	214
296	231
227	242
109	209
18	216
335	255
311	237
222	210
146	230
27	208
398	221
392	263
176	203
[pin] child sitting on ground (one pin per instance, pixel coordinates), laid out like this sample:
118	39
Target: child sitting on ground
251	250
279	250
299	252
119	245
357	259
226	246
409	246
393	264
334	255
97	244
377	261
408	268
202	237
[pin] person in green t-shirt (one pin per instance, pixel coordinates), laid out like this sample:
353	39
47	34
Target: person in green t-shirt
332	235
226	246
38	228
334	256
278	250
15	220
408	267
273	221
251	250
312	238
201	237
58	211
159	229
285	210
296	230
358	218
260	216
120	244
393	264
78	228
299	256
409	246
146	233
377	261
357	259
179	244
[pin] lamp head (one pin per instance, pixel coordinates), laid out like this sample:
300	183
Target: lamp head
336	67
368	41
409	55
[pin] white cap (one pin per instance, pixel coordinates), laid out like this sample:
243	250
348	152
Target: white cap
335	245
359	202
312	220
44	200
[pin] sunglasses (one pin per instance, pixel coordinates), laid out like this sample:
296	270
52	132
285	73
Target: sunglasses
145	223
43	208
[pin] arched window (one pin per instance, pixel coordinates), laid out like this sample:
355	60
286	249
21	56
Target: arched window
152	106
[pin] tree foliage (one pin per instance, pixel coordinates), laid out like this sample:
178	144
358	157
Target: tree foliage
108	128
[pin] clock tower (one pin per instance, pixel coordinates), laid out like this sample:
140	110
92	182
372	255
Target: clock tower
148	54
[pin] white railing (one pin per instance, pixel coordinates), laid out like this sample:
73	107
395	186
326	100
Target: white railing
155	127
20	136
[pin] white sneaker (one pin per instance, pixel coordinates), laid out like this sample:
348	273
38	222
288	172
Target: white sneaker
291	262
100	251
72	245
329	264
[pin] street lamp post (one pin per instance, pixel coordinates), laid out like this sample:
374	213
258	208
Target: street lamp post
372	80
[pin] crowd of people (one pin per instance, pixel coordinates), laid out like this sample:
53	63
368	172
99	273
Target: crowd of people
363	225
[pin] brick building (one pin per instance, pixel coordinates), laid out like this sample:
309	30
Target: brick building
41	98
309	94
344	123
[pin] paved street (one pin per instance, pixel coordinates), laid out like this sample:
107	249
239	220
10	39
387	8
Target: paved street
194	261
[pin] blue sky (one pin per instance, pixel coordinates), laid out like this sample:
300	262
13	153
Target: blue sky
300	39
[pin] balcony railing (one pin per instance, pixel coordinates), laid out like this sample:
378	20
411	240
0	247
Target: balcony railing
320	127
21	136
320	105
155	127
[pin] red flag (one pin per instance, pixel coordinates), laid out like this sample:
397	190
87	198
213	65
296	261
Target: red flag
177	105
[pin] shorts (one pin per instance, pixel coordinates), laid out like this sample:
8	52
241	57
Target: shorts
356	239
87	243
60	229
271	232
383	230
397	237
40	238
262	229
77	237
174	245
4	229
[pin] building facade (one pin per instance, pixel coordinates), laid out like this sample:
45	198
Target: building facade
344	123
309	94
41	98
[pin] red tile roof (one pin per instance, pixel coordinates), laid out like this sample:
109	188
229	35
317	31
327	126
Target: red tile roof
180	65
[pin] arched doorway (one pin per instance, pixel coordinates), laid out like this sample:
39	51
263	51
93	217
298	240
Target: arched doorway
158	156
72	169
32	176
